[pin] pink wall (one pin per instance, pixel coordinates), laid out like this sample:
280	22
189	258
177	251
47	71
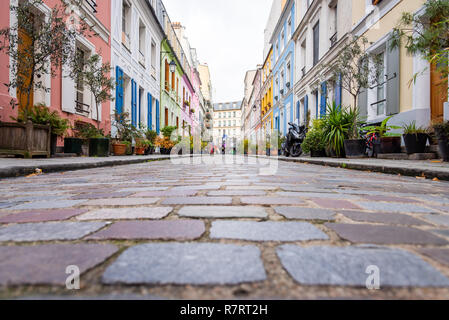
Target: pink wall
101	46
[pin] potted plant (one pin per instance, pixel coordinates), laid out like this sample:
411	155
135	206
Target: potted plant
165	143
442	134
415	138
336	126
141	146
40	114
121	145
389	142
314	143
47	47
354	146
151	136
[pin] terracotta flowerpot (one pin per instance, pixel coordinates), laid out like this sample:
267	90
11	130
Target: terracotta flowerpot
119	149
140	151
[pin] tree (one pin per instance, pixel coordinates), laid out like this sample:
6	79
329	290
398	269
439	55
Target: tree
95	75
355	69
39	45
426	34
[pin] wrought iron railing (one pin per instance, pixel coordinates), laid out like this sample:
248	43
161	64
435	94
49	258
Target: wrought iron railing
82	108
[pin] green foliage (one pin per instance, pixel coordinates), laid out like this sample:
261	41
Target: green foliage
314	140
384	129
143	143
41	114
49	45
441	129
125	130
88	131
412	129
167	131
151	135
426	34
337	124
95	75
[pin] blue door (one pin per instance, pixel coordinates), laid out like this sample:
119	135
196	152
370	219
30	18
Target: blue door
140	108
158	118
119	91
150	112
298	117
323	99
133	103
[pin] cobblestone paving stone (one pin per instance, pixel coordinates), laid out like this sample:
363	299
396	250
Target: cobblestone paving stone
347	266
266	231
177	263
30	232
224	231
46	264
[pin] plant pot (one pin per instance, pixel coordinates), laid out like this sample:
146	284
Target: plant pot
268	152
354	148
443	148
333	154
165	151
73	145
318	153
415	143
53	144
119	149
99	147
149	150
140	151
390	145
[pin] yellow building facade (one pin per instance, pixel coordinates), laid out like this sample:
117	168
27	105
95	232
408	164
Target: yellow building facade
407	100
267	94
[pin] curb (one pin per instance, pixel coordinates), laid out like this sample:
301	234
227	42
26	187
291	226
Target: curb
46	168
412	172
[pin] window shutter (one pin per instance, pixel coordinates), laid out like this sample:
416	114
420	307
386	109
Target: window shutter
133	103
158	117
68	88
363	104
298	115
338	92
323	99
150	112
306	108
393	72
119	90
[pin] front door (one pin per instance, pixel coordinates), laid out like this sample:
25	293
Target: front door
438	94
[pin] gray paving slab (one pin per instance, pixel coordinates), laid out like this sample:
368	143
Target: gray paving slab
223	212
266	231
393	207
126	213
302	213
57	204
187	263
46	231
347	266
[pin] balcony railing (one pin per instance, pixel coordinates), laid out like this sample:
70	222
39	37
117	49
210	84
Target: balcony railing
82	108
333	40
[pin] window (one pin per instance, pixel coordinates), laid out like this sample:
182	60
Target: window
289	73
316	43
289	27
126	24
167	76
153	54
282	40
142	32
282	81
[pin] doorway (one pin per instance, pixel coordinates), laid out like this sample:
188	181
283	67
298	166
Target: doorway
438	94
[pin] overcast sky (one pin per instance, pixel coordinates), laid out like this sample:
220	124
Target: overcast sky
228	36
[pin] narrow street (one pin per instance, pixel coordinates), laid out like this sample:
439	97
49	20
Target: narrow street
208	231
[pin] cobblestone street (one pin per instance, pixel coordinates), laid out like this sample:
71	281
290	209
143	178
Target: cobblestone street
208	231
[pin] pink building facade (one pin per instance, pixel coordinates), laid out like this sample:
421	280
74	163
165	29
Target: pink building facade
64	93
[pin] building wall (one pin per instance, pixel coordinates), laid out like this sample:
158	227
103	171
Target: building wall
267	94
141	68
227	121
61	97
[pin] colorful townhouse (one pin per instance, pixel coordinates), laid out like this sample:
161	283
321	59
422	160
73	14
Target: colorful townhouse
267	95
283	67
70	99
422	100
325	27
136	40
323	30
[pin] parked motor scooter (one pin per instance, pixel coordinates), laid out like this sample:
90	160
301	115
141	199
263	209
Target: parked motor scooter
295	138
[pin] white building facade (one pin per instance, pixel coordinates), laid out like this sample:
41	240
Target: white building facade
136	38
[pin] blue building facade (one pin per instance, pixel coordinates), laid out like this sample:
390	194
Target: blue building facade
283	70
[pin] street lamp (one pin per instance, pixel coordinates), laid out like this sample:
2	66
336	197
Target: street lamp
172	66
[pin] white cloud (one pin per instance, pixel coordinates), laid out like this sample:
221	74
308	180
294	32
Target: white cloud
228	36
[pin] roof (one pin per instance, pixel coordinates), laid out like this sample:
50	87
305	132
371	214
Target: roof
226	106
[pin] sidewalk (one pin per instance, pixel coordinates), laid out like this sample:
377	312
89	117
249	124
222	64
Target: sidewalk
414	168
13	167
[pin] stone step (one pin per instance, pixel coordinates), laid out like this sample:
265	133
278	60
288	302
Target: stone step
65	155
404	156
